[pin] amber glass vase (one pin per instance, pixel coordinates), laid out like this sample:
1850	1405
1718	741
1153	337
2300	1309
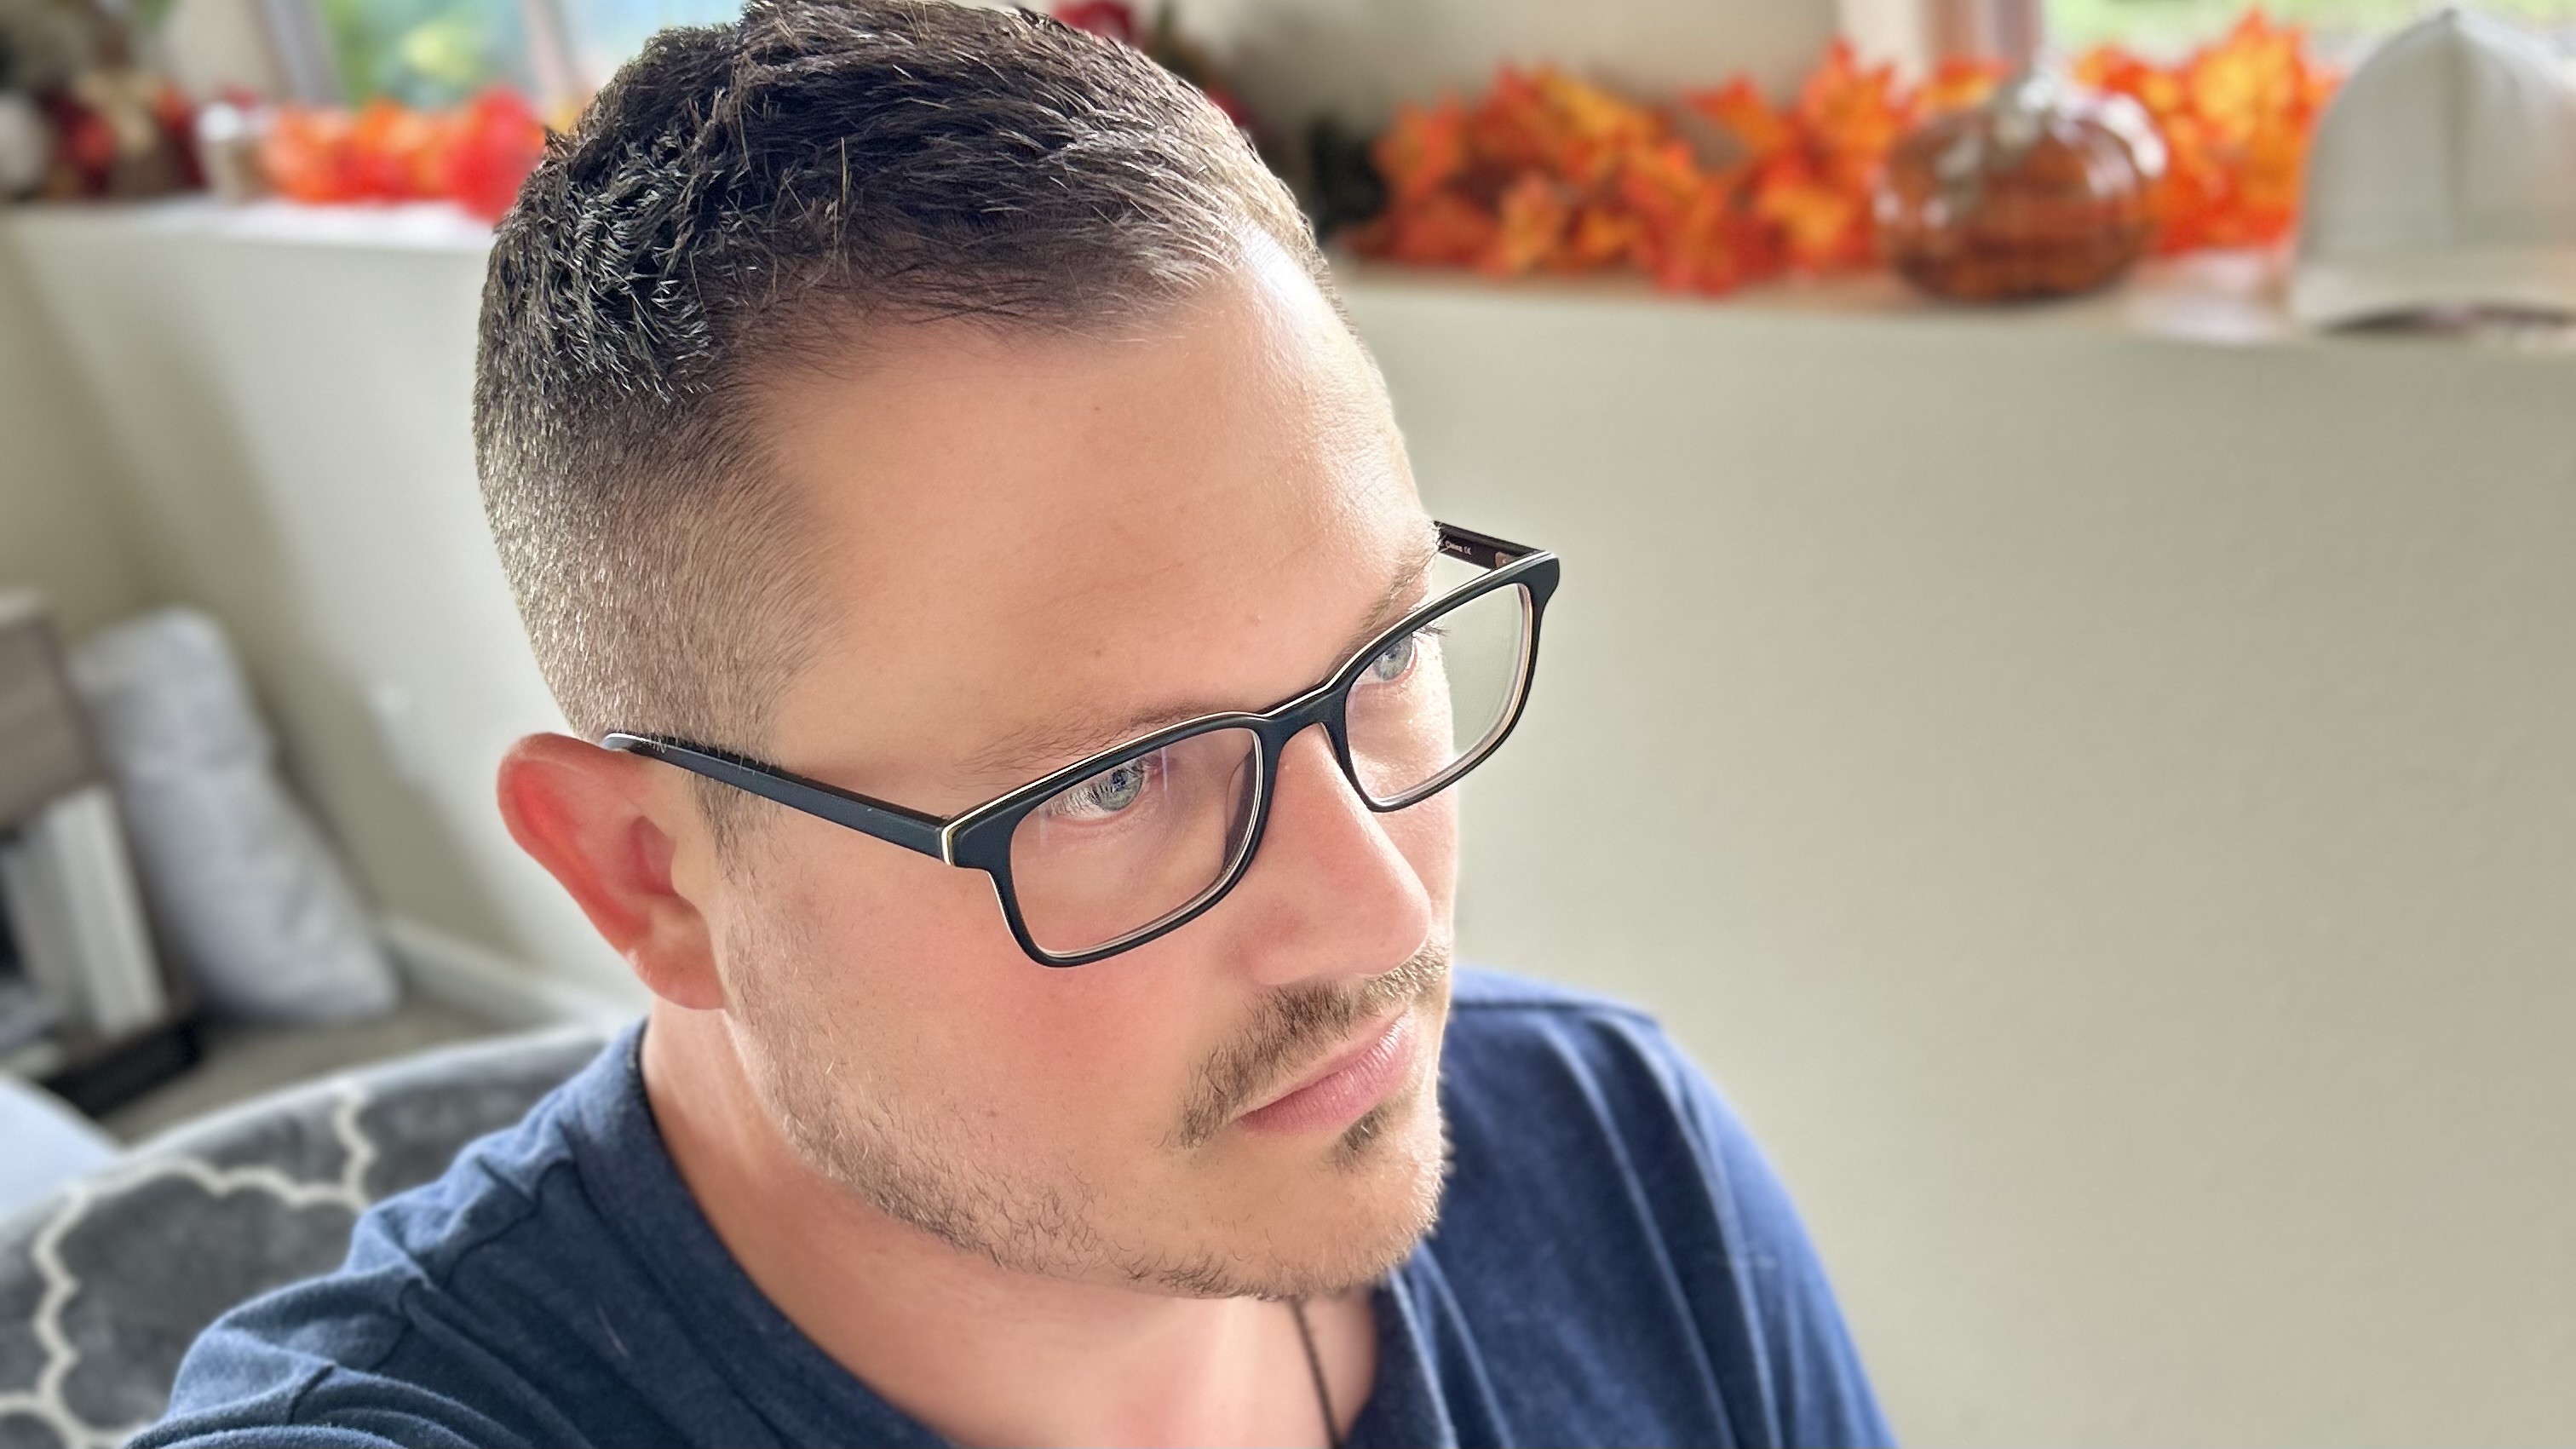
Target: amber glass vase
2043	191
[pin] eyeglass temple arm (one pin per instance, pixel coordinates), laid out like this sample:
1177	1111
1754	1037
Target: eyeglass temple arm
910	829
1481	549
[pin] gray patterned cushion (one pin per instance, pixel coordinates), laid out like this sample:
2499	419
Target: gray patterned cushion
105	1284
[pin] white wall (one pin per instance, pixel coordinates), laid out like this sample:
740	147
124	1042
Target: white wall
61	530
2104	806
291	420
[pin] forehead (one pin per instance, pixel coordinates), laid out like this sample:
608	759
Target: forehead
1019	534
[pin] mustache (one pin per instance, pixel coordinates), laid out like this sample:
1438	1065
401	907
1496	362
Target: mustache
1292	1030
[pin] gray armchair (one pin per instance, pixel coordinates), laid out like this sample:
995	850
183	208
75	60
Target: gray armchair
105	1283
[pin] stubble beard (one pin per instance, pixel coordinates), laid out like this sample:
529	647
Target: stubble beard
930	1169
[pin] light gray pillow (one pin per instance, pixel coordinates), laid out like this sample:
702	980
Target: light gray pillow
248	897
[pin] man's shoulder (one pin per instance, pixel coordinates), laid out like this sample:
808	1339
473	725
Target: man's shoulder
502	1190
370	1349
1535	1077
1509	1033
1487	991
1599	1181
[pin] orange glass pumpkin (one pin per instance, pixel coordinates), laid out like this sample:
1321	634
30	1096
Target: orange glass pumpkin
2042	191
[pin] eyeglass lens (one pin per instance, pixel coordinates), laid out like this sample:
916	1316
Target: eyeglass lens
1127	849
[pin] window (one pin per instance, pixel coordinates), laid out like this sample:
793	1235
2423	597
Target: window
426	52
604	34
433	53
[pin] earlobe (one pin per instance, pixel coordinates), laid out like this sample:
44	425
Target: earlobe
596	820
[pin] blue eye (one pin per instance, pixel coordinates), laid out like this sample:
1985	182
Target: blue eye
1395	661
1107	793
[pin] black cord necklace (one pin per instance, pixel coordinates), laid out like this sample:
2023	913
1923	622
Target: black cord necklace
1315	1366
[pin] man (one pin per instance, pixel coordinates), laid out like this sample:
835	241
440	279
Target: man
931	463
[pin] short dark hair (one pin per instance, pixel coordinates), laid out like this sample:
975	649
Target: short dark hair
743	196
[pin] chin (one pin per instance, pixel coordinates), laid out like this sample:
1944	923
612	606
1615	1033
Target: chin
1395	1159
1362	1208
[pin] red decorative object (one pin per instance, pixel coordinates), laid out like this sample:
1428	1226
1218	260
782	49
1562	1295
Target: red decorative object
1113	18
491	146
2042	191
475	156
118	132
1162	41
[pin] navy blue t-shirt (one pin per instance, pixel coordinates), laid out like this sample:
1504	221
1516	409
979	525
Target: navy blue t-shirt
1614	1264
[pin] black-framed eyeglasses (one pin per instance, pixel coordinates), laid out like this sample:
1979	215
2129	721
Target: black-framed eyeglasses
1138	840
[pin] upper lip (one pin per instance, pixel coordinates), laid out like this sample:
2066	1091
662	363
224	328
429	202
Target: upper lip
1369	1035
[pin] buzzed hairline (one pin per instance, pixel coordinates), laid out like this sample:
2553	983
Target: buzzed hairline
780	194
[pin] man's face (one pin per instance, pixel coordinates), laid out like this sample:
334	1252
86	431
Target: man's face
1036	548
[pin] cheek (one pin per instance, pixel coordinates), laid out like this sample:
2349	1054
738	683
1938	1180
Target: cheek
911	968
888	957
1426	835
1101	1055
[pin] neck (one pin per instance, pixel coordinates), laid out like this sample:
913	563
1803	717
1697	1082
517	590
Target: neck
980	1353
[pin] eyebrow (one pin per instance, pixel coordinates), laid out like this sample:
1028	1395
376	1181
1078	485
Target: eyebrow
1070	737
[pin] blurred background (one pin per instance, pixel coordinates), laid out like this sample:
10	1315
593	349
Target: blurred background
2063	699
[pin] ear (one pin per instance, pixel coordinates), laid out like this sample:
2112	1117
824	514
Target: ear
595	819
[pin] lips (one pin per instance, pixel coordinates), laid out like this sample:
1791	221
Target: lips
1340	1091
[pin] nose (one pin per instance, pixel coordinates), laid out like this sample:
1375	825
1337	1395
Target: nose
1330	893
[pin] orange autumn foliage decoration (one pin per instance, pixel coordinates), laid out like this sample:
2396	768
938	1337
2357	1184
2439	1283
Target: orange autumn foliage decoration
2236	118
1548	173
474	155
